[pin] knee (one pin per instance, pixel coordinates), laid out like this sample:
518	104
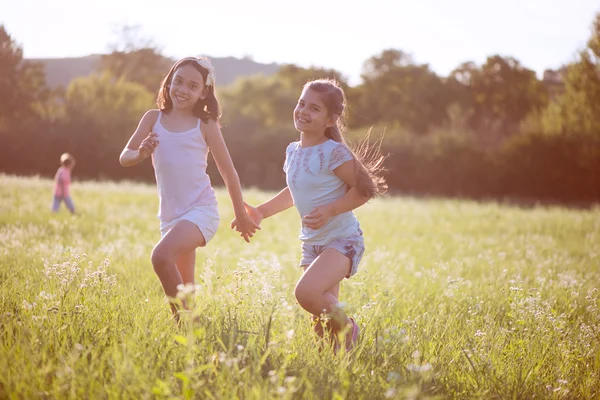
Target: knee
160	257
304	295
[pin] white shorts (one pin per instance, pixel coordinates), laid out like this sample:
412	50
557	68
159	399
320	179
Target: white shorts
206	218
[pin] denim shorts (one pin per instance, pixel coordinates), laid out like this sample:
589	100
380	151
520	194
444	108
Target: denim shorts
352	246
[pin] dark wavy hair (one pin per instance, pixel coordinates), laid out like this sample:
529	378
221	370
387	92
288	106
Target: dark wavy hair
205	109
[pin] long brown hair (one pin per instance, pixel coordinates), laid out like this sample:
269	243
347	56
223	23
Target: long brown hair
368	157
205	109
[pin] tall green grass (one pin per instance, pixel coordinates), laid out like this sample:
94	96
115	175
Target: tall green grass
455	299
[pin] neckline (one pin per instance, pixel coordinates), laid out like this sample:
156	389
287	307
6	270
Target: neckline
175	133
314	145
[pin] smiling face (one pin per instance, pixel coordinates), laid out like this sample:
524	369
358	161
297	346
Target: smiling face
187	87
310	115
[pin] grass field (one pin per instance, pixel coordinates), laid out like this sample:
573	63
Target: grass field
456	299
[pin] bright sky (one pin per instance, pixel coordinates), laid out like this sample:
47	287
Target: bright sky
338	34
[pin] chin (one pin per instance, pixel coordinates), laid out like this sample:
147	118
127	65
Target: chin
182	106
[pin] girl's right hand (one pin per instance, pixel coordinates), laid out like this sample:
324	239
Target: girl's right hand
255	219
148	145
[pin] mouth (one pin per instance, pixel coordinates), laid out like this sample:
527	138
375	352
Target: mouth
302	120
180	98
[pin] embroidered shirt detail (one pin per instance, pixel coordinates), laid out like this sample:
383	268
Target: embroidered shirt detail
339	155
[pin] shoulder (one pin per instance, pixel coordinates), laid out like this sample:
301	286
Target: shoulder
150	117
339	154
210	123
209	127
153	113
332	147
292	147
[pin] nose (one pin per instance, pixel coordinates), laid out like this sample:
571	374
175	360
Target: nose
181	89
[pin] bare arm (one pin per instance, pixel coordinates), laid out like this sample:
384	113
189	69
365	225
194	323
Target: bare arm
281	201
142	143
351	200
278	203
222	158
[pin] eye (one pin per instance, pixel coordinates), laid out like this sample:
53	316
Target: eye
315	108
193	86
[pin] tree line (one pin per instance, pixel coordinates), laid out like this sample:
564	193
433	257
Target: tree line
490	130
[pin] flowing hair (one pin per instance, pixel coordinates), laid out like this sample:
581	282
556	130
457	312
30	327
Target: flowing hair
368	157
205	109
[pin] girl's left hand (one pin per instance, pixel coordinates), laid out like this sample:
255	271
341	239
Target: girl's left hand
245	225
318	217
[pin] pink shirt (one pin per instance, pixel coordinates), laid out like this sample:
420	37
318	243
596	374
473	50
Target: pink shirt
62	181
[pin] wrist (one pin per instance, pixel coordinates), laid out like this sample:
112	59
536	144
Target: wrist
239	208
263	211
331	210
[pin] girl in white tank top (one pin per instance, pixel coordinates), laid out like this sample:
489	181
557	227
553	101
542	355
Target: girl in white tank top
179	136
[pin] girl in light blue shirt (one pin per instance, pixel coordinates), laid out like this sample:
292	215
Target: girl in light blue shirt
326	180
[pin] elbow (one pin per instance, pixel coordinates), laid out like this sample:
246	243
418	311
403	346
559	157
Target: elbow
365	192
126	159
363	198
123	161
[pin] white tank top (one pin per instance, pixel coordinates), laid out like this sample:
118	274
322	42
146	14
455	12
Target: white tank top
179	163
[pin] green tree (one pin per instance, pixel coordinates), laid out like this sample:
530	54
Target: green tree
106	104
269	101
577	110
22	83
499	94
101	114
397	91
295	77
136	59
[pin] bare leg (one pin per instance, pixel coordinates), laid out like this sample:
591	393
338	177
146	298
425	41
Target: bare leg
318	289
176	246
186	264
316	319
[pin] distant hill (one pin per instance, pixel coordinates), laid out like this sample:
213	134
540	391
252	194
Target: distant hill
60	71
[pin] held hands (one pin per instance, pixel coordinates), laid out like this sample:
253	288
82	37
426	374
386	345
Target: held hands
148	145
318	217
248	223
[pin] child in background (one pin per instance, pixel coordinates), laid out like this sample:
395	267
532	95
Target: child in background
178	136
326	180
62	183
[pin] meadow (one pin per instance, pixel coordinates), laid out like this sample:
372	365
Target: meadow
456	299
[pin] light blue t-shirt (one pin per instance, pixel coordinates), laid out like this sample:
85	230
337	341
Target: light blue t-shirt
312	182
